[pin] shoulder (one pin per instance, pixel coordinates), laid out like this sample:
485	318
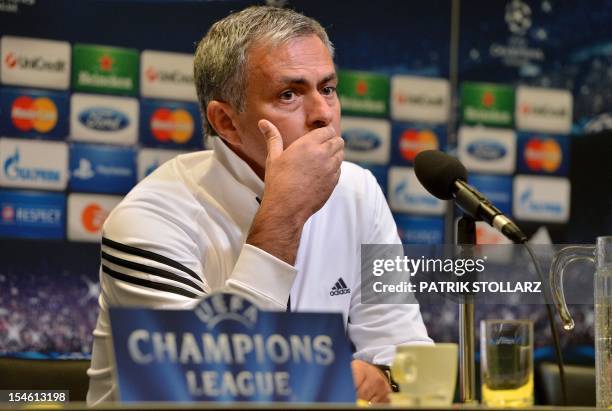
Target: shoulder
164	200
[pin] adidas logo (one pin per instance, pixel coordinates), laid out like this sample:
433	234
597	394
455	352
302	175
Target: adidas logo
340	288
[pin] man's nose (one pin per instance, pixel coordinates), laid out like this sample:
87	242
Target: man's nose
319	111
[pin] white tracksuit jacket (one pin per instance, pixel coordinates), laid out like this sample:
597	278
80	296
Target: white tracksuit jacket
180	234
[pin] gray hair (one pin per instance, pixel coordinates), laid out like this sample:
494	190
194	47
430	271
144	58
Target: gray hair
222	55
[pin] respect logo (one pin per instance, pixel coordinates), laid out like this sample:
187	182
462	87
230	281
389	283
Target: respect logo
29	113
172	125
543	155
412	142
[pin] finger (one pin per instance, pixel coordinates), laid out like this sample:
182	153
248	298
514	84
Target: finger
338	158
366	391
274	140
358	375
322	134
384	399
335	145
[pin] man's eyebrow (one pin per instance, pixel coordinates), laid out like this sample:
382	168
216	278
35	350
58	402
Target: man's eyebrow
302	80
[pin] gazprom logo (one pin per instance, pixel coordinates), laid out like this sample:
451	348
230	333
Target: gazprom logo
530	204
104	119
13	171
361	140
403	194
487	150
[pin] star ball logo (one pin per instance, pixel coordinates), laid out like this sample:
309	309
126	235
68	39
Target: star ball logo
29	113
172	125
413	141
543	154
93	217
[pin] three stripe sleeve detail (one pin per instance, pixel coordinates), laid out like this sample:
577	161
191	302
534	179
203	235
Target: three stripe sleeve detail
120	268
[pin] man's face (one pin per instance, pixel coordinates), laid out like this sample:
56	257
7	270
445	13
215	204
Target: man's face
292	85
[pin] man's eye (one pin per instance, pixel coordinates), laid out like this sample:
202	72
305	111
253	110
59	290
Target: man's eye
329	90
287	95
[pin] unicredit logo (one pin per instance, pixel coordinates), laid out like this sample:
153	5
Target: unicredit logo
33	63
10	60
104	119
544	110
14	172
174	76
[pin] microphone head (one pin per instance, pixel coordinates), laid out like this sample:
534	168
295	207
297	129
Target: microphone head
437	171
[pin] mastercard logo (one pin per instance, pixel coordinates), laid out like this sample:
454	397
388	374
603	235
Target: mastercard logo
412	142
39	114
93	217
543	155
172	125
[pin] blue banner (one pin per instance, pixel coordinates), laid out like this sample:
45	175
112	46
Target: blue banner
102	169
34	113
228	350
420	230
497	188
32	214
175	125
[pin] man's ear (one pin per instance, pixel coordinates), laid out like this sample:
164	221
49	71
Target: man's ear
221	117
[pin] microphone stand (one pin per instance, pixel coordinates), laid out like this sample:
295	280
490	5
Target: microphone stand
466	235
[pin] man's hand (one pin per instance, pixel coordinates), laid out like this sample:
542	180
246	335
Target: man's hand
302	177
372	385
298	182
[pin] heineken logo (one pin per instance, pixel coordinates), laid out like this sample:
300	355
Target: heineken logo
361	88
106	63
105	69
489	104
488	99
363	93
487	115
100	80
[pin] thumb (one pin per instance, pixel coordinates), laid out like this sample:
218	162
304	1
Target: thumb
273	138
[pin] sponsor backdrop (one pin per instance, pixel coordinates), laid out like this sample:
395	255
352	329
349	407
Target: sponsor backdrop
86	112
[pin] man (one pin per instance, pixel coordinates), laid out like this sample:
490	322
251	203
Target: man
271	212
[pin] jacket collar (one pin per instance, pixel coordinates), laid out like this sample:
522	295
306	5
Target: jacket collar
237	167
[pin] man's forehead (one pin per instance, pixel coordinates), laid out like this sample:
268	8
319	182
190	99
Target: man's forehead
296	60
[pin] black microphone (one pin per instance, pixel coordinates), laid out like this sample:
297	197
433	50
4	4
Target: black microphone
446	178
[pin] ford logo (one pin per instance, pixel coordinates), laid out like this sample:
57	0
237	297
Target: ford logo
486	150
360	140
104	119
